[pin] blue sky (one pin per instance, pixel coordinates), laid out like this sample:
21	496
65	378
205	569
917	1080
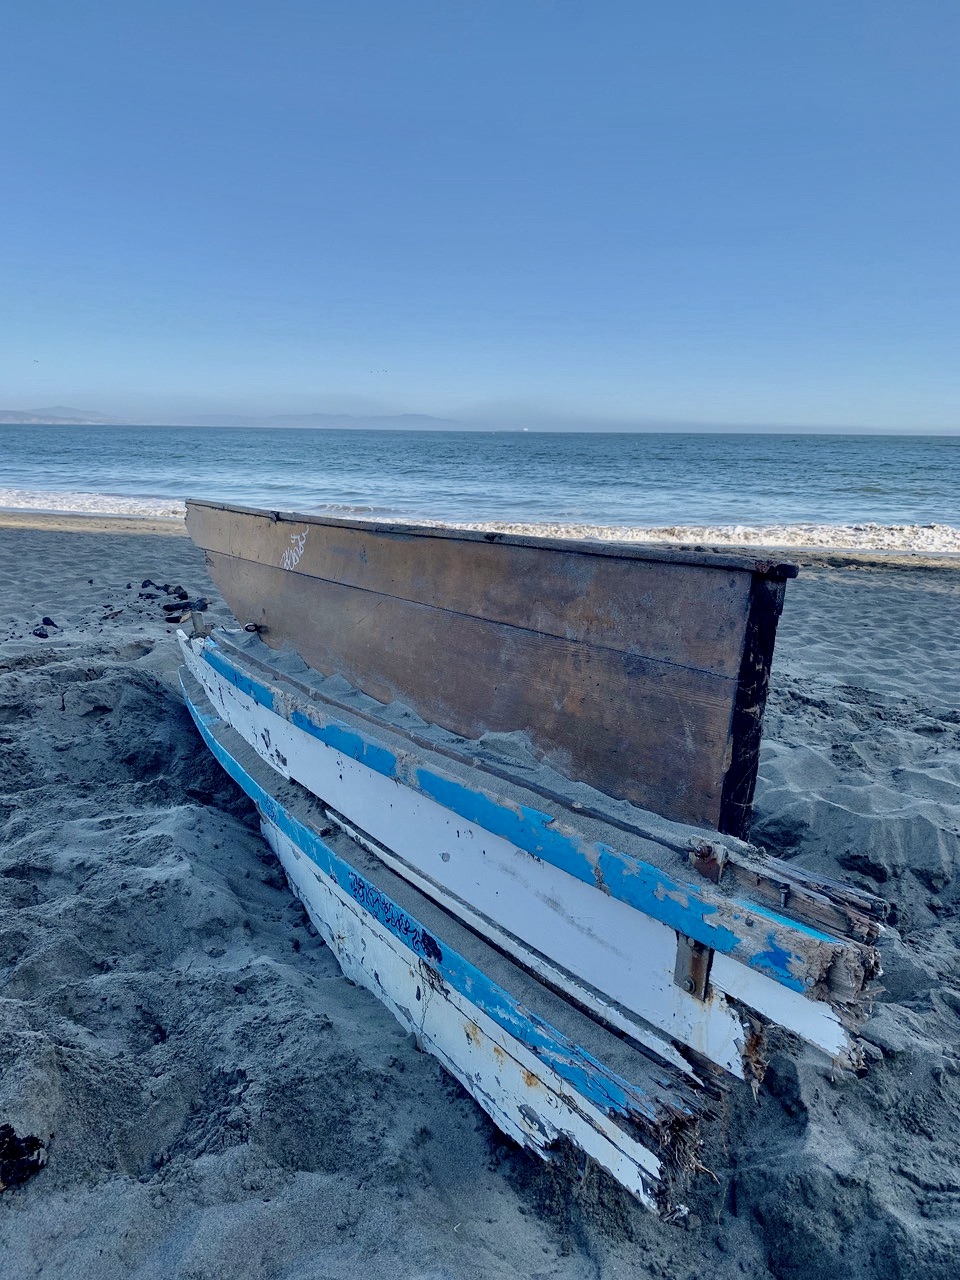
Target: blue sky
515	210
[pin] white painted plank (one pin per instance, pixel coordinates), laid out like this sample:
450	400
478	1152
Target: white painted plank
527	1101
564	929
603	952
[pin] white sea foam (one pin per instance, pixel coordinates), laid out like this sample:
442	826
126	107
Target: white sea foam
925	538
90	504
921	538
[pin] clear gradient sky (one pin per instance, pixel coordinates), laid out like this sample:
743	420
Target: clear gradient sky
536	211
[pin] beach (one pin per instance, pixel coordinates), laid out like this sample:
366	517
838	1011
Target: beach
217	1100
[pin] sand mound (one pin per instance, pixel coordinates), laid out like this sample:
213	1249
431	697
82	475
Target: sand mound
222	1102
860	777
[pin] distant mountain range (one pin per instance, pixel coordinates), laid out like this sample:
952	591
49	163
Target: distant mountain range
57	415
337	421
62	415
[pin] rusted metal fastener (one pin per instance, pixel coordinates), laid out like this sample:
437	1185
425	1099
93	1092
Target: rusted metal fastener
709	859
692	969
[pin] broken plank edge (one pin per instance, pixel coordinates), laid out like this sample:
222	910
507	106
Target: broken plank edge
736	800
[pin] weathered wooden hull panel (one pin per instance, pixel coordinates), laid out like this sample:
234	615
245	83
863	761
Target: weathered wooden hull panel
600	655
615	601
540	1085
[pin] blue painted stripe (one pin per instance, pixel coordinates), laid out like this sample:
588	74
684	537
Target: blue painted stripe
349	743
639	884
254	689
333	734
573	1064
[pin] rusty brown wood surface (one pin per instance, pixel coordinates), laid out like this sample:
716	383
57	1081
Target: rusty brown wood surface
643	678
669	553
639	607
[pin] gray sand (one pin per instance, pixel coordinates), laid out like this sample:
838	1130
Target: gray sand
223	1103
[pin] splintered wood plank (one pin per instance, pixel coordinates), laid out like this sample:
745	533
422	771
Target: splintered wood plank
648	732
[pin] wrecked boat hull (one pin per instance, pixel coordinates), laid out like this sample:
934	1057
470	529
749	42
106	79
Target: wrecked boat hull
511	779
585	913
463	1001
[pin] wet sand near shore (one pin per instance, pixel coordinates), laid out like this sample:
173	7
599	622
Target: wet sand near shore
223	1103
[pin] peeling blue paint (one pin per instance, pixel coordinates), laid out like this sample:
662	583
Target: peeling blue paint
349	743
586	1074
641	885
755	909
651	890
775	961
239	679
525	827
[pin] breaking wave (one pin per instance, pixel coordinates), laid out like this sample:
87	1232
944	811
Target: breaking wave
90	504
927	538
921	538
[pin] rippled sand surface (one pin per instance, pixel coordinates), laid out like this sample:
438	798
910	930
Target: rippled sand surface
223	1103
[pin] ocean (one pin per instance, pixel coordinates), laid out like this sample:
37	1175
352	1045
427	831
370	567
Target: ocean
881	491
